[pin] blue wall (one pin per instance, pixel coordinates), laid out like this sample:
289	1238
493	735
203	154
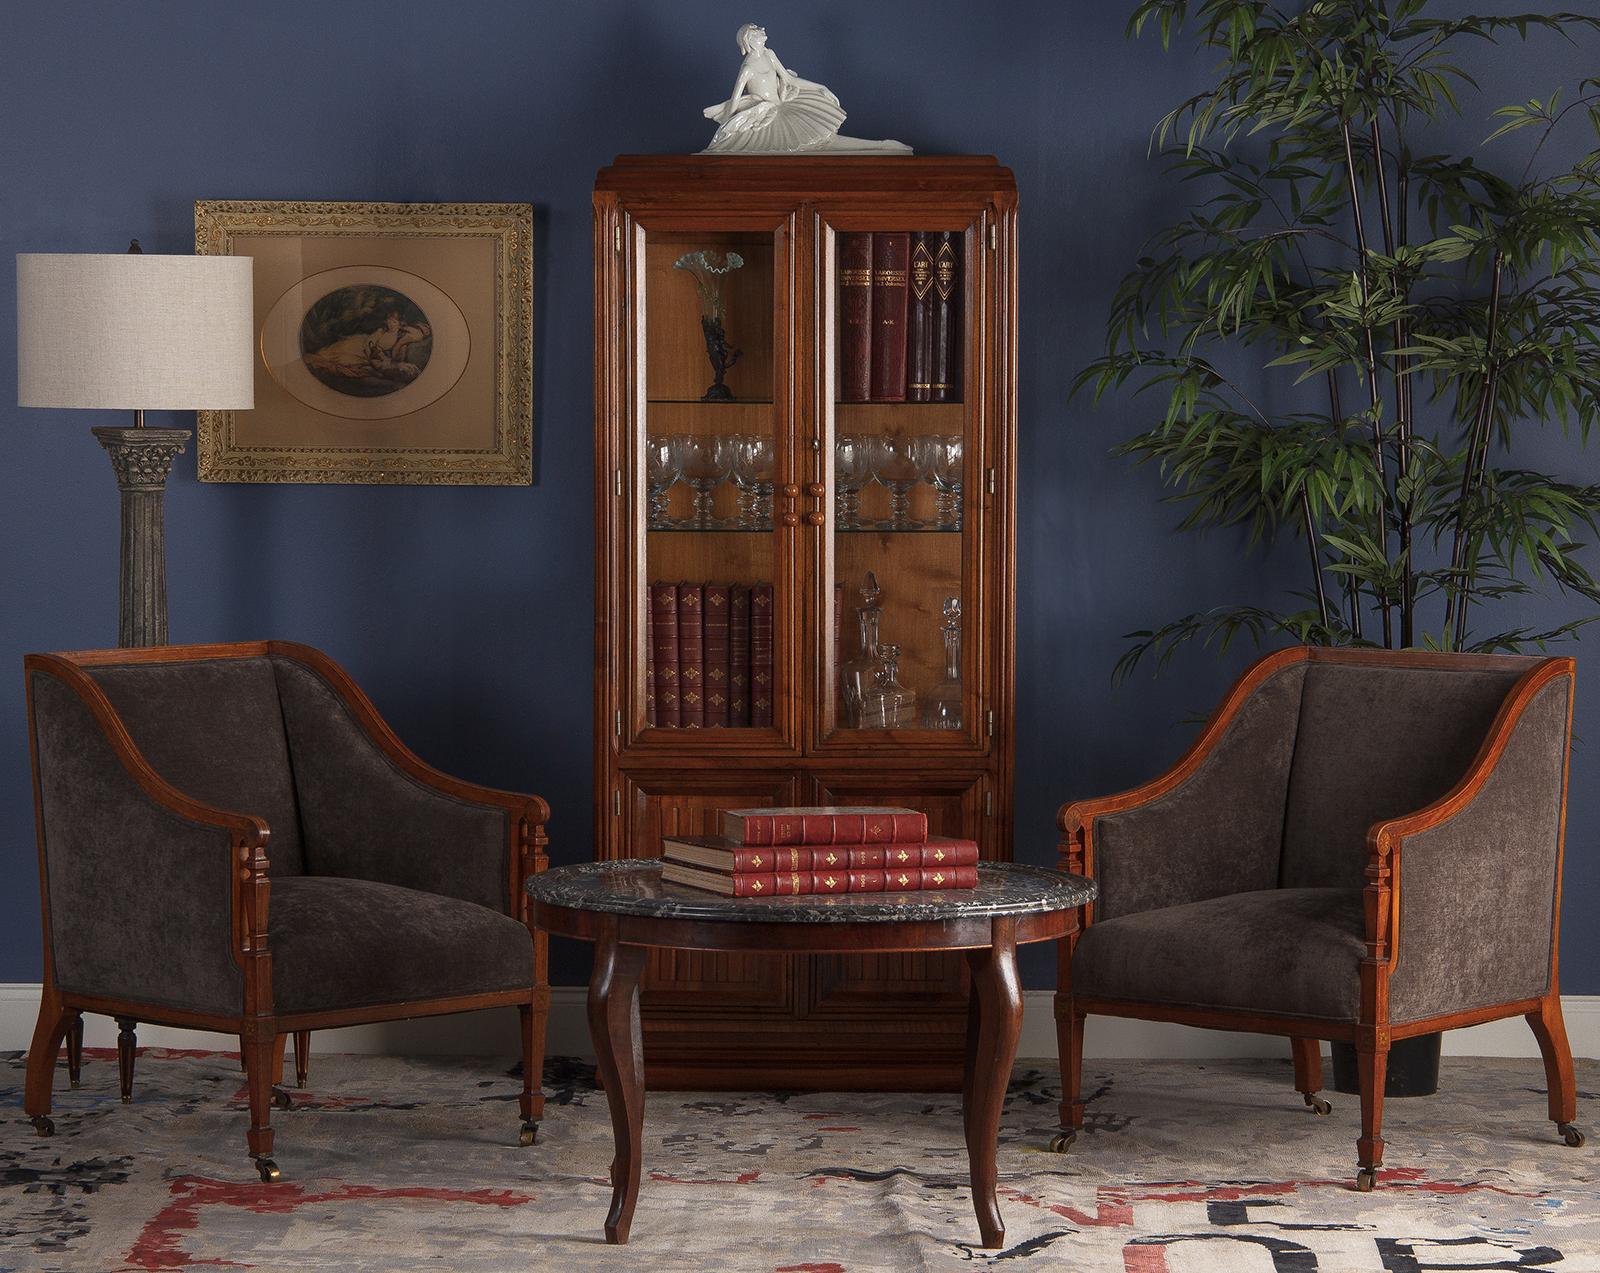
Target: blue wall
466	612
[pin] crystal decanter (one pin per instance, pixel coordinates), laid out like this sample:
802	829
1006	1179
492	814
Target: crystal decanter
889	704
859	676
942	708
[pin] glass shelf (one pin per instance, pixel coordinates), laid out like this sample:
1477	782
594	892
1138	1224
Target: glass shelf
767	530
701	402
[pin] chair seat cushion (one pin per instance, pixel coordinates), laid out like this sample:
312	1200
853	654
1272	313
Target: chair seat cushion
342	943
1295	951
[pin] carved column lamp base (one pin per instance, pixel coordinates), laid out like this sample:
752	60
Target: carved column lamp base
142	459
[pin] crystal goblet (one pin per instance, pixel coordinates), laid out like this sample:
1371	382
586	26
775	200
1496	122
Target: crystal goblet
940	460
704	463
852	470
754	464
894	463
661	473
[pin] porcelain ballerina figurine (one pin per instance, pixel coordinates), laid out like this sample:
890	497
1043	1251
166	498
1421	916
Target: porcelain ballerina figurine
772	111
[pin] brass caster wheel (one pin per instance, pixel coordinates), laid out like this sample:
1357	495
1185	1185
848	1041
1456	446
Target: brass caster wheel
268	1171
1365	1179
1062	1141
43	1125
1319	1107
528	1134
1571	1135
280	1099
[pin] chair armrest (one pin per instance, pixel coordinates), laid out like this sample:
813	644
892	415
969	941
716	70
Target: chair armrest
1210	825
1468	889
399	820
126	859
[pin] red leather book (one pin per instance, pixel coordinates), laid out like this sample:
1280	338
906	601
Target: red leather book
719	667
713	853
763	689
891	257
649	663
691	656
738	655
664	638
793	883
919	319
855	317
946	335
826	824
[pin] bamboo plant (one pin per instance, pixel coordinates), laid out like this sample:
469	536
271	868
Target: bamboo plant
1415	310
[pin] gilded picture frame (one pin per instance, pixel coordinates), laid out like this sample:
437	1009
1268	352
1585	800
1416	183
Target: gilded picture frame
394	343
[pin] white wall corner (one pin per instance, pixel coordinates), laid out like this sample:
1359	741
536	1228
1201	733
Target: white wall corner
494	1033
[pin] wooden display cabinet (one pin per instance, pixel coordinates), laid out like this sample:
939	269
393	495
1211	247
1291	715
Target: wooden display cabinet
719	1021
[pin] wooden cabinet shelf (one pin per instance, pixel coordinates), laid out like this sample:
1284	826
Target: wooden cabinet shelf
793	591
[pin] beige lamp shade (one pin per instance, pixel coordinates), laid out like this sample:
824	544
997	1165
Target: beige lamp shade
135	331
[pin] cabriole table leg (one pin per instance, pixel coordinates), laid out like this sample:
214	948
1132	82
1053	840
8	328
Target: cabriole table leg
991	1051
619	1054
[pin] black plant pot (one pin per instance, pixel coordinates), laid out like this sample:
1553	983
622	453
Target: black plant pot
1413	1067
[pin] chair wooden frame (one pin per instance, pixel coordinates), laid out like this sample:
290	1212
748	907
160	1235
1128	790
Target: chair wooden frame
260	1028
1372	1033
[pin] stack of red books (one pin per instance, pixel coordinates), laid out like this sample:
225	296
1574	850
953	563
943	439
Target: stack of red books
826	849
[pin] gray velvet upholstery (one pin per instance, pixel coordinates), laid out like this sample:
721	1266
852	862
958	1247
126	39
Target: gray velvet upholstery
366	819
1205	904
342	943
384	891
1373	743
213	729
140	899
1221	831
1294	951
1477	895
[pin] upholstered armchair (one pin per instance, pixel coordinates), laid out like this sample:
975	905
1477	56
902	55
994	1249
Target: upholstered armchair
232	839
1362	846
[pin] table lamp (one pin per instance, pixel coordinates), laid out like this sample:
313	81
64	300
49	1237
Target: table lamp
142	333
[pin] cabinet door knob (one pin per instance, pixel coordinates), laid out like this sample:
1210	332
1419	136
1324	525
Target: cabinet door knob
789	490
815	519
789	519
816	489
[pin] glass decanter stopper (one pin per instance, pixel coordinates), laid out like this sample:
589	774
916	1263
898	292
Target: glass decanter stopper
859	676
890	705
942	708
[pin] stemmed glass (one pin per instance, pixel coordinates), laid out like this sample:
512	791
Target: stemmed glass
940	461
704	464
852	469
894	463
753	469
661	473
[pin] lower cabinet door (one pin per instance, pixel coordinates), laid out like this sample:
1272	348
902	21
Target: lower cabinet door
706	984
886	991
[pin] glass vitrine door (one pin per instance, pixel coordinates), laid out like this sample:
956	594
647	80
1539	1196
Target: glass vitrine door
712	436
901	440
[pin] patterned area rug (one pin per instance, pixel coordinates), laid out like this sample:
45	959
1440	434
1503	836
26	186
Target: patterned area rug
404	1164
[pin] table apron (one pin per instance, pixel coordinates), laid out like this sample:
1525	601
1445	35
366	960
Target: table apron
854	937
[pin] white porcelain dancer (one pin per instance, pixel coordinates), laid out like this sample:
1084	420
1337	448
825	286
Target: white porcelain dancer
772	111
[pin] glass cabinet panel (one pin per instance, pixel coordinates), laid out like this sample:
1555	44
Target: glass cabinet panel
710	451
904	441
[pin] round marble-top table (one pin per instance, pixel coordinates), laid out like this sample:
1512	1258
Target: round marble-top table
625	908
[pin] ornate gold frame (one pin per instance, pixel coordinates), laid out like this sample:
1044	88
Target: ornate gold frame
509	463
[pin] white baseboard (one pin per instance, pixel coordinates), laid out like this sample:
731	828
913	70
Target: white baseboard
495	1033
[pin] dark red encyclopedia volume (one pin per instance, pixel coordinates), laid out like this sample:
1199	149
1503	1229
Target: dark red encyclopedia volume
891	258
691	656
855	317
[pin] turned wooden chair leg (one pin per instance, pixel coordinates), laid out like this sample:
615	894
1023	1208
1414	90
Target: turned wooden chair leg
48	1033
302	1056
1372	1062
260	1052
1308	1073
533	1018
127	1045
1560	1084
75	1048
1069	1051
